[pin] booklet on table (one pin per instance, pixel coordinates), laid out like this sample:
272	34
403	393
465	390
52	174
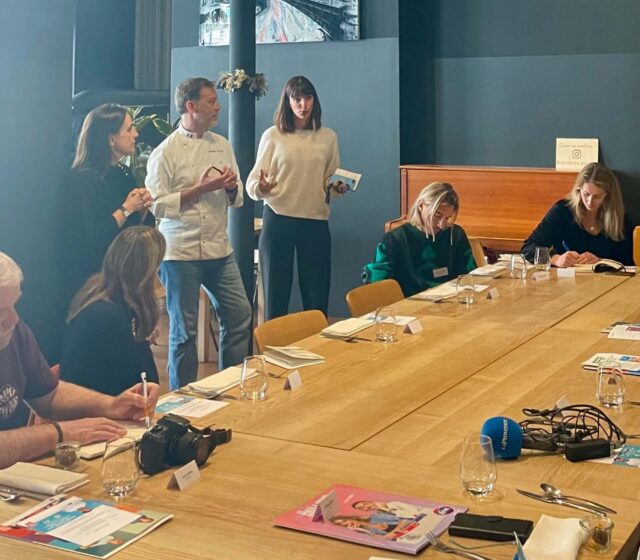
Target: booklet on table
371	518
90	527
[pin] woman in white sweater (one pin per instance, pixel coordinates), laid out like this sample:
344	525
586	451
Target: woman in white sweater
295	159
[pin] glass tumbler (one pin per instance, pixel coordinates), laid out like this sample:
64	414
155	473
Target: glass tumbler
466	289
518	267
542	259
254	381
610	384
120	470
478	465
385	324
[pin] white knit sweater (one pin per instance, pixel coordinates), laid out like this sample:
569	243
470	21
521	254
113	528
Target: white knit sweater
300	162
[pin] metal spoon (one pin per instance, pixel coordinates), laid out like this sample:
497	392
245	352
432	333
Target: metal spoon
10	497
552	492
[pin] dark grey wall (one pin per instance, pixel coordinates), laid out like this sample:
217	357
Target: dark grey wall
357	84
104	44
36	40
508	77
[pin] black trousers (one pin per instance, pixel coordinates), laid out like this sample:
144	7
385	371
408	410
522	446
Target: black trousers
281	237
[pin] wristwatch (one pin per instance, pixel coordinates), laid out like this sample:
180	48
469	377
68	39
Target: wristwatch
125	212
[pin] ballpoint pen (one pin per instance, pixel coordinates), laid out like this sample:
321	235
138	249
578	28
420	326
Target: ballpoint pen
145	394
565	246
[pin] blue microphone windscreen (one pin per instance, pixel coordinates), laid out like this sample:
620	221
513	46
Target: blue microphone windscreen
506	436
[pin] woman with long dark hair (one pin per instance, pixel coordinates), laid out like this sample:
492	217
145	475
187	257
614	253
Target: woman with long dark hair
295	158
105	345
100	196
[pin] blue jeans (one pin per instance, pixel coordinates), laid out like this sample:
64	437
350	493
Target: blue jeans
221	280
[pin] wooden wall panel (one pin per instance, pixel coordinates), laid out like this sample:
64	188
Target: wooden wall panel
498	205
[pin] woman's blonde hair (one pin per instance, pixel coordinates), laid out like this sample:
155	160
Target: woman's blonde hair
611	213
127	278
432	196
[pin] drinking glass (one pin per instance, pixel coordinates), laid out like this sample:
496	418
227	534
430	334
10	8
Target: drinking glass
518	267
120	470
385	324
542	259
597	531
610	384
253	379
478	465
466	289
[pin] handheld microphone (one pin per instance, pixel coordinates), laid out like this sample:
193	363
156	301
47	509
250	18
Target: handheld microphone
506	436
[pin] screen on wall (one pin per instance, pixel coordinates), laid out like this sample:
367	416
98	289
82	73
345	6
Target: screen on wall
284	21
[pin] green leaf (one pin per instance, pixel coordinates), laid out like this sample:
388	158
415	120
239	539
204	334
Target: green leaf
141	122
162	126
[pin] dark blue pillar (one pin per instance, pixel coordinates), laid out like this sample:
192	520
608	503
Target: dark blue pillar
242	129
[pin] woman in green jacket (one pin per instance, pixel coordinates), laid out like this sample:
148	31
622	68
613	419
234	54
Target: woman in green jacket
428	250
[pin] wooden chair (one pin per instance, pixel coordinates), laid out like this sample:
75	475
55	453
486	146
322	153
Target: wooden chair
363	299
282	331
636	245
478	251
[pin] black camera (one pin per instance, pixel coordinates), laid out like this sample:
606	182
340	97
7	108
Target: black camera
174	441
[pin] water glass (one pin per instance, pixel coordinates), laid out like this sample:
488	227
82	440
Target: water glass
466	289
542	259
610	384
478	465
120	470
518	267
385	324
254	381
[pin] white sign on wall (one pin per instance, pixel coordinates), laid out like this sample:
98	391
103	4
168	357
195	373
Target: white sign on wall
572	154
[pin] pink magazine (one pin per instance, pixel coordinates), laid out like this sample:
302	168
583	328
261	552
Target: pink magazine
372	518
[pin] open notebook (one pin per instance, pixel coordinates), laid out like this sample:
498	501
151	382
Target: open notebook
40	478
94	450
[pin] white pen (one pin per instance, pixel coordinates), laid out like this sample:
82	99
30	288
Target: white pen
145	394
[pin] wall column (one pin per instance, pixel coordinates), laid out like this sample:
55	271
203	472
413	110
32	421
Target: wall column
242	132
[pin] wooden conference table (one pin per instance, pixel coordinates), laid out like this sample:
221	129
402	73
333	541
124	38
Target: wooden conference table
392	417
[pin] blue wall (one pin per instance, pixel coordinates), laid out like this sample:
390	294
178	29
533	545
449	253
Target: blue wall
36	40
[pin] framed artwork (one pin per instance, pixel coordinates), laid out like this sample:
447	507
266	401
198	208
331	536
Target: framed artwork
284	21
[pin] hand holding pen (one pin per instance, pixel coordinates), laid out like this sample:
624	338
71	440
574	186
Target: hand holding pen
566	259
145	395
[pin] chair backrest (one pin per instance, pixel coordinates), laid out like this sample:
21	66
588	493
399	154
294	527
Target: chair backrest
364	299
282	331
478	251
636	245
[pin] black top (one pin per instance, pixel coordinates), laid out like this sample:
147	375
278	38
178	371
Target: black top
88	227
559	226
100	352
419	262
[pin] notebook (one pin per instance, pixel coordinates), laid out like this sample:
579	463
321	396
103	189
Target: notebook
218	383
346	328
41	479
94	450
291	357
